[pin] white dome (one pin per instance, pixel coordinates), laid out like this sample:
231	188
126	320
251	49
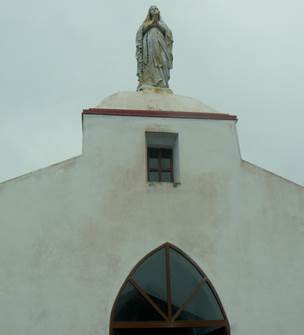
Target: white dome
154	99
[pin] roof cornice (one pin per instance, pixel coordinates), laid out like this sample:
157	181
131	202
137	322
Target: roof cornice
159	113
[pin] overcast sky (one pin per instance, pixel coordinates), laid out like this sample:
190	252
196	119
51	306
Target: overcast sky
243	57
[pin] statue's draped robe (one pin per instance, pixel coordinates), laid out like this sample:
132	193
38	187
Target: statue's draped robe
154	56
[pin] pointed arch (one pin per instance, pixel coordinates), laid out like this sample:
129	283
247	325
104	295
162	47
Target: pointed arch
167	290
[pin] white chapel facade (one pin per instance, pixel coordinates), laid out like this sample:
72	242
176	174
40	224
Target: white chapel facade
158	228
72	232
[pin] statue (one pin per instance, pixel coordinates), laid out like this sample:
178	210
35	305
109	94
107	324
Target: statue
153	52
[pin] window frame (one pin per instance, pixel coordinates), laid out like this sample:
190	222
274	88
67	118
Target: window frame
160	170
164	140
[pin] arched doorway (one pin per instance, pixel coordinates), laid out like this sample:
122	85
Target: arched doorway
168	294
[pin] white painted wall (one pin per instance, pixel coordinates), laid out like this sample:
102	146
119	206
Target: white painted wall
71	233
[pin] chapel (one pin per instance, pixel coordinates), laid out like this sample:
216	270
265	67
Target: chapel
158	227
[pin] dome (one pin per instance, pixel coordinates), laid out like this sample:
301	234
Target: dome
153	99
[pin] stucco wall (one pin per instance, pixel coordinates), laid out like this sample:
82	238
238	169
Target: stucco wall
71	233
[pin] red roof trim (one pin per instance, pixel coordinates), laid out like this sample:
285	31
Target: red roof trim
163	114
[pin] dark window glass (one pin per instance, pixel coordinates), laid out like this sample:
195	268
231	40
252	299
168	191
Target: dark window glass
145	298
153	152
153	176
184	278
151	276
153	163
166	176
166	153
132	306
203	306
160	165
165	163
209	331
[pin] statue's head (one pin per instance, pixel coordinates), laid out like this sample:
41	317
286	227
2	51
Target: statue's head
154	11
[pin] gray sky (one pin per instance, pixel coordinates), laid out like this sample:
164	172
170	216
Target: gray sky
243	57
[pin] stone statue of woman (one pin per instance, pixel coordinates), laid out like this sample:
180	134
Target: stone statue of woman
153	52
